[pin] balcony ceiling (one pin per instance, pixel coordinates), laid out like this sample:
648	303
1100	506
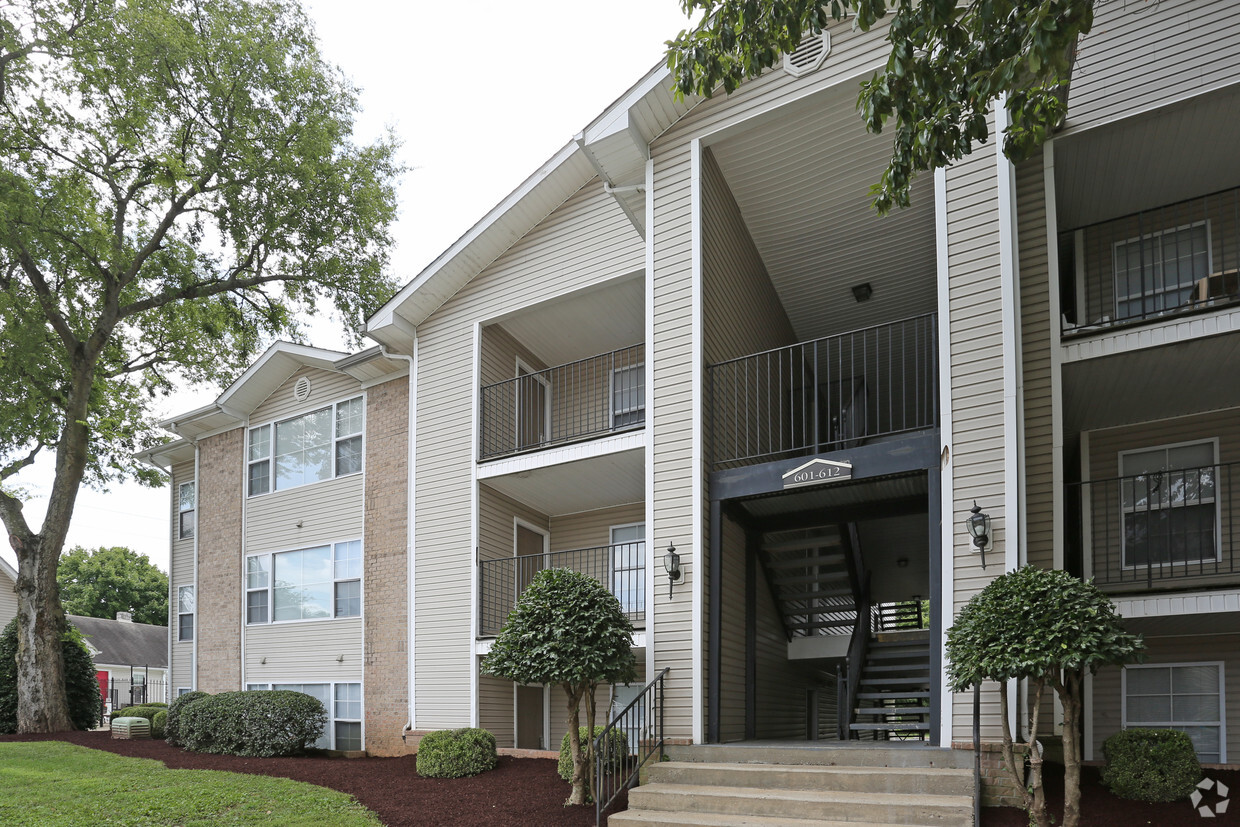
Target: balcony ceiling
584	324
801	178
573	487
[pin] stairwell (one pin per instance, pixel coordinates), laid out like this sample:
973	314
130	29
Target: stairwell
893	697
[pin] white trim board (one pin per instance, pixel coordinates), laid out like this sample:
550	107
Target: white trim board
633	440
1163	605
1127	340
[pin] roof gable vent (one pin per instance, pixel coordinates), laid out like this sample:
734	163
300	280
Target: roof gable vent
301	391
809	55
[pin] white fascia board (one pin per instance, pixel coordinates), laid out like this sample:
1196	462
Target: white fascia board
615	117
483	647
163	456
289	355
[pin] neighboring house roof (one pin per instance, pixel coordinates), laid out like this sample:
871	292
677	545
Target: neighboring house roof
124	643
8	570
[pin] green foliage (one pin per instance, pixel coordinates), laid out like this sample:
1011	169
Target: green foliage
617	750
159	723
1151	765
172	729
50	783
948	63
252	724
81	686
1032	623
157	716
101	582
456	753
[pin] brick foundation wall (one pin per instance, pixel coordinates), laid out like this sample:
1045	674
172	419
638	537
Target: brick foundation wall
386	669
998	788
221	466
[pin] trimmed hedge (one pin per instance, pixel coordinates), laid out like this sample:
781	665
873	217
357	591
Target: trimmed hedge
1151	765
150	713
619	750
159	723
253	724
172	728
81	686
456	753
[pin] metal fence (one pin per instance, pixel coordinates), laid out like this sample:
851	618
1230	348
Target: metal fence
580	400
616	768
119	692
827	394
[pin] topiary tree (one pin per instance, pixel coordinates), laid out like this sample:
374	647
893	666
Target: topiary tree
567	630
1151	765
81	686
1048	628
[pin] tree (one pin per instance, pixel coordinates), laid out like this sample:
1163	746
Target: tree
949	61
567	630
1048	628
105	581
81	686
178	182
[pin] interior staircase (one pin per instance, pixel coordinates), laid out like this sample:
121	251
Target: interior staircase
776	786
893	698
812	582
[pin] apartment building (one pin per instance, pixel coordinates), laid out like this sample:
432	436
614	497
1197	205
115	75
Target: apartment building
686	336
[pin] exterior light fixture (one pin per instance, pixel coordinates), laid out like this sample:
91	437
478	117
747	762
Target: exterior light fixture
979	527
671	564
862	292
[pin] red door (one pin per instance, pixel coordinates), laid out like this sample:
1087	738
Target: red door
102	677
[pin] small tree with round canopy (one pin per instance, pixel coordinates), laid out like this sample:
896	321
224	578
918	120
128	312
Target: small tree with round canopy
567	630
1048	628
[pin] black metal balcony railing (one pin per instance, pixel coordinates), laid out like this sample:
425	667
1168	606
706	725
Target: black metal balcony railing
1160	529
620	567
1171	260
617	768
827	394
580	400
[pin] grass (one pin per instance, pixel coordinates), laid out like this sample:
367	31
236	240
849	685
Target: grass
53	783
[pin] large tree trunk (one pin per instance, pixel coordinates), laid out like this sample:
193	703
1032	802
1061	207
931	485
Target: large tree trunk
578	795
41	702
1072	738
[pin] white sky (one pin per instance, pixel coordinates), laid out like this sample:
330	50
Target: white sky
480	95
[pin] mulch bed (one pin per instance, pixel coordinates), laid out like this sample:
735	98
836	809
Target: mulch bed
1099	808
518	793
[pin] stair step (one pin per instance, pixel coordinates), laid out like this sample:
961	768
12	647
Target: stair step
909	637
898	780
804	562
890	696
803	579
816	805
645	818
889	668
920	726
894	654
902	681
802	543
825	753
821	593
892	710
819	624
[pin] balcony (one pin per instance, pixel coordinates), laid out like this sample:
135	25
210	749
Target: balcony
581	400
825	395
1160	530
621	568
1169	261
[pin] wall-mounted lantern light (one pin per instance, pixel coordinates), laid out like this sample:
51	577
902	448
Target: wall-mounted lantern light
979	526
671	564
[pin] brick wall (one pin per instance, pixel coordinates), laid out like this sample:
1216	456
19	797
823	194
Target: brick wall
998	788
386	672
220	468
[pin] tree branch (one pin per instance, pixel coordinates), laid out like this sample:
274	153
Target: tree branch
17	465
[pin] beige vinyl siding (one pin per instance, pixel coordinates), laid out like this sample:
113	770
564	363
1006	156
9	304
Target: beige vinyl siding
732	639
1105	447
1108	700
975	329
497	710
305	651
590	529
586	241
500	352
8	599
327	511
181	573
496	526
1036	370
326	387
1141	55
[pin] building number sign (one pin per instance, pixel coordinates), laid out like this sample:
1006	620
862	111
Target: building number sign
817	472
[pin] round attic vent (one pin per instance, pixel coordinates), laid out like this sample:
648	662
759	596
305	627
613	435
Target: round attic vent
809	55
301	391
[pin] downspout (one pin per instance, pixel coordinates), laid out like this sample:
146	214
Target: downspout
197	530
611	190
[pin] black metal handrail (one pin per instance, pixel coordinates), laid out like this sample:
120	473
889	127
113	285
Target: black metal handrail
640	721
1162	527
1170	260
620	567
579	400
901	615
826	394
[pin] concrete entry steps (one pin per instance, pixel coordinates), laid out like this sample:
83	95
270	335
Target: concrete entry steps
769	786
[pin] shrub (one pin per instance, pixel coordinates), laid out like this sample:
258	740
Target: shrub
159	704
252	724
1151	765
172	728
456	753
143	711
159	723
617	748
81	686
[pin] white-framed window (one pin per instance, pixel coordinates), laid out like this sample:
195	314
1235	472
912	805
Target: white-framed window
186	510
183	690
304	584
185	613
343	703
628	566
312	447
1157	271
628	396
1184	696
1168	504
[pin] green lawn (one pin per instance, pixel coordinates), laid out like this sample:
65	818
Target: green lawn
54	783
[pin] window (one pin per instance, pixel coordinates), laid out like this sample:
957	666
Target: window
309	448
185	613
628	578
1157	272
307	584
183	690
343	703
1183	696
185	511
628	396
1168	504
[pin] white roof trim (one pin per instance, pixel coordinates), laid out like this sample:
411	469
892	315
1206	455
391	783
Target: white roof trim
312	356
9	570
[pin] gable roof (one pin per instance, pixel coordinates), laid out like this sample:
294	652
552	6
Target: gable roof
8	570
122	643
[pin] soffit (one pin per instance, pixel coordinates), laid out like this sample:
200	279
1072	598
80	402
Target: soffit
573	487
585	324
